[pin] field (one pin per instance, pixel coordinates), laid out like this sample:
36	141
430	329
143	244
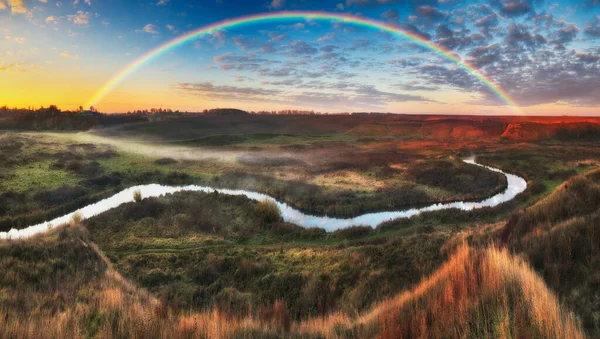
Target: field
213	265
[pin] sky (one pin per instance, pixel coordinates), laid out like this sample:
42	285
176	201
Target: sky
545	54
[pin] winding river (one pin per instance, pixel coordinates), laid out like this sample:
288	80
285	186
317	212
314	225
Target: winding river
515	186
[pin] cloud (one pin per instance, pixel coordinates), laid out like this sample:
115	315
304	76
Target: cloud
14	38
16	6
14	68
66	54
327	37
248	62
328	48
374	2
149	28
593	29
391	15
246	43
484	55
429	13
225	92
519	36
565	35
162	2
414	29
516	8
457	39
277	4
416	86
486	23
171	28
80	18
588	58
51	19
300	47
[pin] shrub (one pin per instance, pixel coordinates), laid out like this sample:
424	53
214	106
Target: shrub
353	232
165	161
137	196
76	218
268	210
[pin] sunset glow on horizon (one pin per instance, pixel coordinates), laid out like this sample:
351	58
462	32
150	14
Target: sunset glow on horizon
544	56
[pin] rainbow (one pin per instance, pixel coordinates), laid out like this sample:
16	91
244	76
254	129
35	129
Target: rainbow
301	15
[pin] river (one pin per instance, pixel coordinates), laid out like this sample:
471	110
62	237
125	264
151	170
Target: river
515	185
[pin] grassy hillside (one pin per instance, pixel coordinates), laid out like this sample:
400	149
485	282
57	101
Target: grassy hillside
477	293
203	250
560	236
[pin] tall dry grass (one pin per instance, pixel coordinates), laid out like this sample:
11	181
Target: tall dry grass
480	293
483	293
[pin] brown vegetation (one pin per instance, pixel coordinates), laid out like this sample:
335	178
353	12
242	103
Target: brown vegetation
477	293
560	236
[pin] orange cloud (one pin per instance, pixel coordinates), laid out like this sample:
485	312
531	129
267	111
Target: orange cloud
66	54
16	6
81	18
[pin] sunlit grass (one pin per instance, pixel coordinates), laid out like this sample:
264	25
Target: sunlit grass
36	175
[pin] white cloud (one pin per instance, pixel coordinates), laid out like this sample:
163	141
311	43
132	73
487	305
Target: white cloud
149	28
51	19
44	1
172	28
162	2
81	18
298	26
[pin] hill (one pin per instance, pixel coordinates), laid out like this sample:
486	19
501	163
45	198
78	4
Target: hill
560	236
226	112
61	279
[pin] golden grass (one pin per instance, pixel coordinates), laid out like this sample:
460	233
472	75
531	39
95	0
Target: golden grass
348	180
477	293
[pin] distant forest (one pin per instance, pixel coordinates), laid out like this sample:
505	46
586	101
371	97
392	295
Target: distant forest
53	118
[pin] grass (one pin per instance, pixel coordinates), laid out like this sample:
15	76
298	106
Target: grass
224	243
477	293
263	140
40	163
560	236
39	174
202	265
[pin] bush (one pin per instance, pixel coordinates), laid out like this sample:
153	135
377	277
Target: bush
165	161
268	211
76	218
353	232
137	196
